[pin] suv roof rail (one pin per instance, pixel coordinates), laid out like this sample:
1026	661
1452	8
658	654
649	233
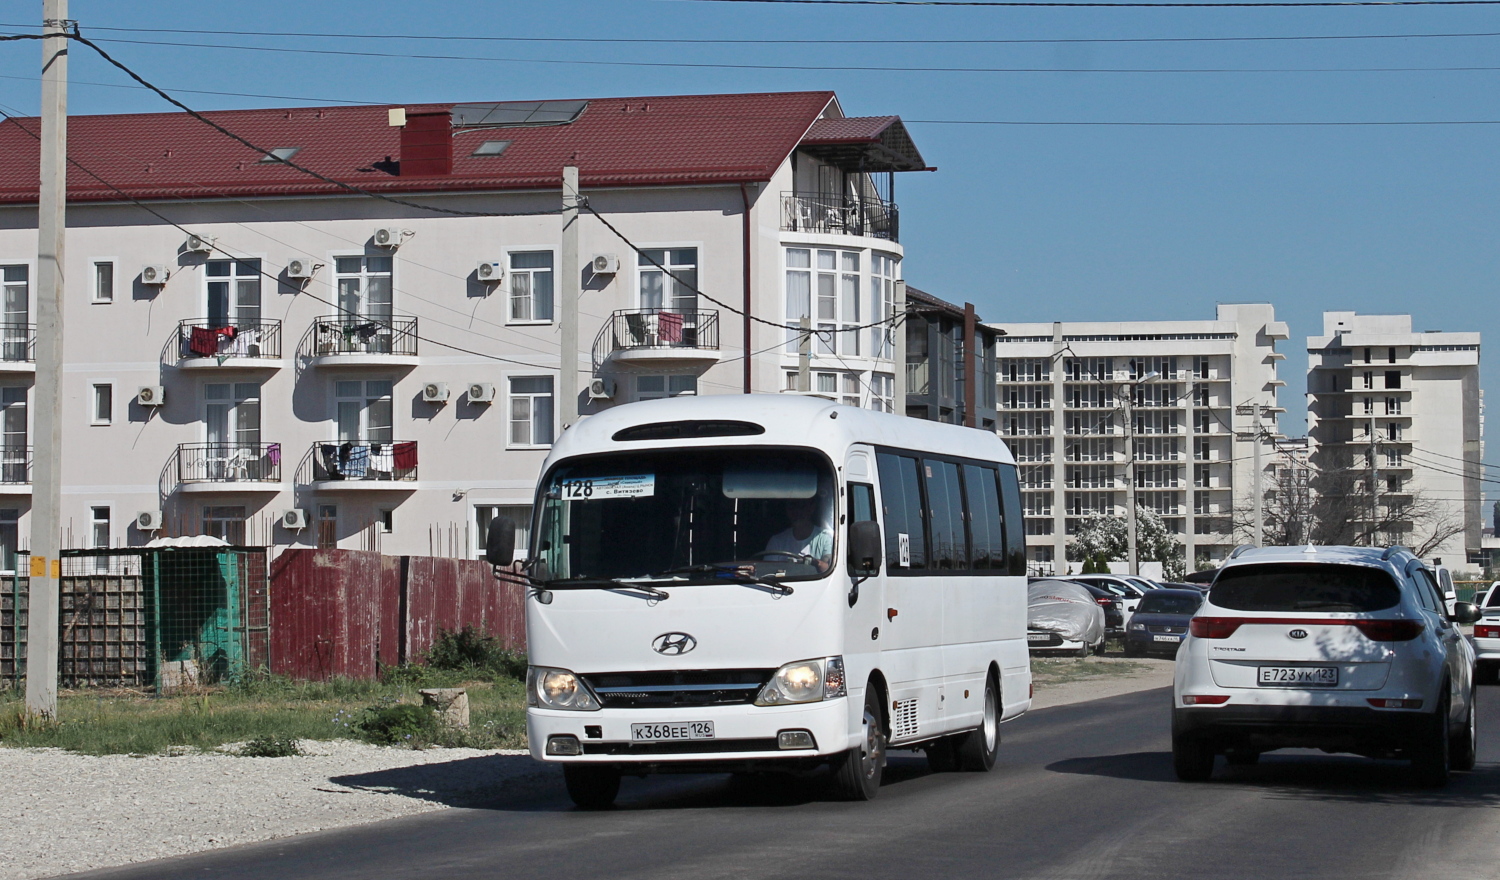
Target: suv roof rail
1240	550
1393	550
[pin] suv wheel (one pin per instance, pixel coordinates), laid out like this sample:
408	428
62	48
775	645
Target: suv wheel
1462	746
1192	757
1430	750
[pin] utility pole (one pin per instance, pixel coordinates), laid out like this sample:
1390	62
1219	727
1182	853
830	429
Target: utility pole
1130	539
46	480
1374	481
567	312
804	355
897	330
1256	487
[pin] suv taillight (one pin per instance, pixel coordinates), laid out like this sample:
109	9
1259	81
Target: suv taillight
1389	630
1214	627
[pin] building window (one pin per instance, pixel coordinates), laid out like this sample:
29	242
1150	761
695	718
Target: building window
1200	367
1392	484
15	456
225	523
823	286
364	287
328	526
232	418
1393	432
531	411
1393	458
1390	355
10	539
103	411
1392	378
386	520
1201	449
657	387
883	392
1201	476
1369	378
99	528
1393	406
15	328
234	292
826	383
1367	356
676	292
104	282
1369	404
882	304
519	514
851	390
531	287
364	411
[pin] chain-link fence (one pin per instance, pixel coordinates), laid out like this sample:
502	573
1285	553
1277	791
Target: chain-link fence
136	617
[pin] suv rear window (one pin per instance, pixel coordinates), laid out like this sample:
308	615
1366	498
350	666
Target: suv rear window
1304	587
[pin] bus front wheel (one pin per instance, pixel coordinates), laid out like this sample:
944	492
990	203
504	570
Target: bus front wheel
857	772
591	786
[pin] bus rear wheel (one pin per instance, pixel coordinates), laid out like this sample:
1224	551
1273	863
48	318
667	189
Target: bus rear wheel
978	749
591	786
857	772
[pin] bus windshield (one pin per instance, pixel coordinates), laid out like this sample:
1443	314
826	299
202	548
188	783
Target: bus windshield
689	515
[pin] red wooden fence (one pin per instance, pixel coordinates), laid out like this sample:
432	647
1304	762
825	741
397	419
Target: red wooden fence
347	612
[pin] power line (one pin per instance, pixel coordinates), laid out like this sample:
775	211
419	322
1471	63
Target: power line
890	41
78	82
822	68
1123	4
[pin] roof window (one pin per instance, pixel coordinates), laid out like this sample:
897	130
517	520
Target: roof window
280	154
491	148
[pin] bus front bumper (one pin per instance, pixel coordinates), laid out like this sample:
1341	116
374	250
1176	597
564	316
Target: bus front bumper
740	733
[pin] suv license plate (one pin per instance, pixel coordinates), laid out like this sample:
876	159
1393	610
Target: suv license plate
1298	676
681	730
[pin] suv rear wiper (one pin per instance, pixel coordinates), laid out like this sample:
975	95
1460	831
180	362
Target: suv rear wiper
603	583
729	572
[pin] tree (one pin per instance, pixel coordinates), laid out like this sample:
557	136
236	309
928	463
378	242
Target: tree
1107	538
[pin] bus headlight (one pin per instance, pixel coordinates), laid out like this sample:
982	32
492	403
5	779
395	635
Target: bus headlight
548	688
806	681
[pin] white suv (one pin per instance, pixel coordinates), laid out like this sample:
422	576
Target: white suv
1344	649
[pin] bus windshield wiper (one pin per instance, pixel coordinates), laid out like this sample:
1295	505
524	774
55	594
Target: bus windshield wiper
584	582
728	572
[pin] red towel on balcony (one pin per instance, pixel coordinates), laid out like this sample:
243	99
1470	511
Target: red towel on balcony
669	327
204	342
404	455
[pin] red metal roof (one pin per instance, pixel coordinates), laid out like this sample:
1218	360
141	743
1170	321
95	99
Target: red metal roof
650	141
849	130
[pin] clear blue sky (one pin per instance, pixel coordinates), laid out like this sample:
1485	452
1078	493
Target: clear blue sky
1029	223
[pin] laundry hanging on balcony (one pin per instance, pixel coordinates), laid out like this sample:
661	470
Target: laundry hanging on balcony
332	462
356	461
405	455
273	455
669	327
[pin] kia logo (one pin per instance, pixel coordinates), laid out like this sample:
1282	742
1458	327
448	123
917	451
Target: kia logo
1298	634
673	644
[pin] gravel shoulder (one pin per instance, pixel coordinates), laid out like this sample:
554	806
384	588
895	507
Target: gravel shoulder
119	809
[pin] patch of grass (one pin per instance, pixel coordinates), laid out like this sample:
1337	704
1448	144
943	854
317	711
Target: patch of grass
270	747
258	707
1049	671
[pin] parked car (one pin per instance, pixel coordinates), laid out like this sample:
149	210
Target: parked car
1171	585
1129	592
1345	649
1487	635
1160	622
1445	586
1063	616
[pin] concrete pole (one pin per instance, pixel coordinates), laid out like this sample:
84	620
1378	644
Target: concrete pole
898	351
46	479
1256	486
568	292
1374	481
804	355
971	322
1135	562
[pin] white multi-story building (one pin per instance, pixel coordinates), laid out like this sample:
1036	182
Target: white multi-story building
1198	395
245	341
1405	409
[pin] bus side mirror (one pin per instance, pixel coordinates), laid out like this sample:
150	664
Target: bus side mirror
500	541
865	548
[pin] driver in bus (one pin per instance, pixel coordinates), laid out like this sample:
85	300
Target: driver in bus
805	538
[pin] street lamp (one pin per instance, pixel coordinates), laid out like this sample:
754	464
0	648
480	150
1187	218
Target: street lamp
1129	388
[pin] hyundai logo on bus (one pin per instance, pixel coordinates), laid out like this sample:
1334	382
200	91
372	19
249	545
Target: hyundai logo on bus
673	643
1298	634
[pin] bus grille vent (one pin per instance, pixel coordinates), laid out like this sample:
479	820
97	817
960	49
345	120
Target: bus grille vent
904	719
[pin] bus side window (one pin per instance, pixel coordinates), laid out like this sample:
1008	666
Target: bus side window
1015	528
945	506
901	492
983	496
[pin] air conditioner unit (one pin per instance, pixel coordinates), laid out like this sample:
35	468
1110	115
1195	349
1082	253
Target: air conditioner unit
294	520
435	392
481	392
388	237
151	395
148	520
601	389
200	244
489	271
154	274
606	264
300	267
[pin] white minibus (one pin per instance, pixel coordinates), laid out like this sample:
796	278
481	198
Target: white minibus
770	582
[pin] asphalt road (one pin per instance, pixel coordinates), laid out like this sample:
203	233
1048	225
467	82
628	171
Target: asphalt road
1082	791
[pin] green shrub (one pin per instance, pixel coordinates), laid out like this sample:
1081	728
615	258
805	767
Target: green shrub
398	724
469	650
273	746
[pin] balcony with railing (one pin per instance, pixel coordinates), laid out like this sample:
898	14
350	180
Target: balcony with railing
840	215
17	348
361	466
658	338
229	467
205	343
356	340
15	470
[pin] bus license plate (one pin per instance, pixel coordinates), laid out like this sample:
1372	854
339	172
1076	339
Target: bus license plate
1298	676
682	730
